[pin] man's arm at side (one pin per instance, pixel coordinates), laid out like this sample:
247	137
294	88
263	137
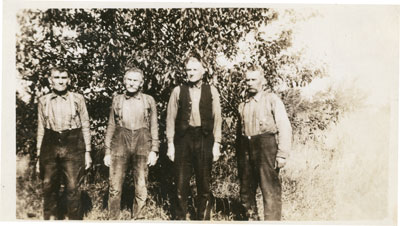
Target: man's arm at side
110	129
216	106
284	127
84	116
41	126
154	126
172	111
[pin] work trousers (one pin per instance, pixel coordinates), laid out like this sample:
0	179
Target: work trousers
193	150
129	146
62	158
256	157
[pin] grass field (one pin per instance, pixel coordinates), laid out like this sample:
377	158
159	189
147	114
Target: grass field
340	175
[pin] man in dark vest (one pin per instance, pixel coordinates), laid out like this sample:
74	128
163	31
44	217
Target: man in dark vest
63	144
194	136
132	137
264	142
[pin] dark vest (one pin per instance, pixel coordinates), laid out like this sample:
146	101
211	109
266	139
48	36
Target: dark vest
185	108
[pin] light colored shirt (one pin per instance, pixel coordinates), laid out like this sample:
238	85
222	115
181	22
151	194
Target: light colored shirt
132	114
265	113
195	120
60	113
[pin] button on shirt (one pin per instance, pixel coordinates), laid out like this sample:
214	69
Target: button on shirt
265	113
195	120
63	112
133	116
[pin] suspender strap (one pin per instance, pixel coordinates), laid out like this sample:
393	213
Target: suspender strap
47	111
72	108
147	110
119	108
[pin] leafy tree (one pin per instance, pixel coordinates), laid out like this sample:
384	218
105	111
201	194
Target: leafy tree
97	44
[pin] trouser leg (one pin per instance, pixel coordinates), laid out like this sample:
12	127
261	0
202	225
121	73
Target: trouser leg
73	170
269	178
49	173
141	147
51	185
183	173
247	177
140	182
72	160
117	175
118	166
202	168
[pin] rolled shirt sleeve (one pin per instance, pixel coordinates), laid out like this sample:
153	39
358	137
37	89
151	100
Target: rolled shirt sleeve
283	126
153	125
216	108
84	116
172	111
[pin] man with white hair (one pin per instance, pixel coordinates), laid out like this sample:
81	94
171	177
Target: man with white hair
264	143
194	137
131	137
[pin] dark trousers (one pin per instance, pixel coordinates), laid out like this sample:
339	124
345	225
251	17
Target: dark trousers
128	147
62	158
193	150
256	165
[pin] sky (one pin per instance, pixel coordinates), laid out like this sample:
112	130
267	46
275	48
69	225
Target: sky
356	43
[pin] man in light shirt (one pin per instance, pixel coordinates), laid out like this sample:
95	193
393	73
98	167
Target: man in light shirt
264	144
63	145
194	136
131	137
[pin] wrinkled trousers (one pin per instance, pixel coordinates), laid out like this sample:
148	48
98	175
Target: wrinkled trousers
193	150
128	146
62	158
256	158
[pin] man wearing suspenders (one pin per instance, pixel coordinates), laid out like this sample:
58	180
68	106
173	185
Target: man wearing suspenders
264	144
194	136
132	136
63	144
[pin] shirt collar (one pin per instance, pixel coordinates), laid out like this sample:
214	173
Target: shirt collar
136	96
197	85
53	95
256	97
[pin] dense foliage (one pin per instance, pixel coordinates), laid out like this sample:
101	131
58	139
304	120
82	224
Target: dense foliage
95	45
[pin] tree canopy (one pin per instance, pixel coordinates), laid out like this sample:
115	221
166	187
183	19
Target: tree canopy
95	45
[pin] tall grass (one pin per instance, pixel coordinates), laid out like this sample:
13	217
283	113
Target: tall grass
341	174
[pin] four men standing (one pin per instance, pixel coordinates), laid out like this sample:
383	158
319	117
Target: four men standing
193	134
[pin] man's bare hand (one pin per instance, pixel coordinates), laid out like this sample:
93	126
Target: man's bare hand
107	160
38	166
280	162
171	151
216	151
88	160
152	159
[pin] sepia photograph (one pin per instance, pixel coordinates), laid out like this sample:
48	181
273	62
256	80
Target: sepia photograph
204	112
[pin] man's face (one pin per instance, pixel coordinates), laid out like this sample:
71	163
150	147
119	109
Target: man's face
59	80
133	81
194	70
254	81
